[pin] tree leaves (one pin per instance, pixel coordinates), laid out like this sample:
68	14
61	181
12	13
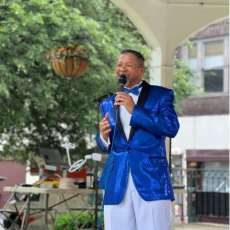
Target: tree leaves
182	82
38	107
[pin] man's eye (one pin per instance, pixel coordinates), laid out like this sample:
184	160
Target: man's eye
126	66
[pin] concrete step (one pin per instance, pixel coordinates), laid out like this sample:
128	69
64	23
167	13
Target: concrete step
201	226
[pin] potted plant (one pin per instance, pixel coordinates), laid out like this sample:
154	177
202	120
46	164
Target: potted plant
69	61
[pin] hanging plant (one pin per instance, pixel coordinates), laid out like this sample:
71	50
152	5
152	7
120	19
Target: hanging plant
69	61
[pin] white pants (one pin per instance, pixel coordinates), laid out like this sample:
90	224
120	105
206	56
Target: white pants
134	213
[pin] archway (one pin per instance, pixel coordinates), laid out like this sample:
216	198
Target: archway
166	23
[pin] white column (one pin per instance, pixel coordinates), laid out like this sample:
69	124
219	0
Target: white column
166	75
155	67
161	68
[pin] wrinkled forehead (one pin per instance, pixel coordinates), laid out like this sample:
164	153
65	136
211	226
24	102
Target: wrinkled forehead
128	58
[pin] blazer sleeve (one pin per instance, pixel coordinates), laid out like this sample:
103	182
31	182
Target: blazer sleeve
164	122
100	143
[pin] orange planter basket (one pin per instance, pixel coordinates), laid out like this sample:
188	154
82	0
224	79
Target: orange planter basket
70	61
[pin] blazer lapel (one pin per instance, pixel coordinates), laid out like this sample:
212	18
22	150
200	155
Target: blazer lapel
116	111
119	124
141	101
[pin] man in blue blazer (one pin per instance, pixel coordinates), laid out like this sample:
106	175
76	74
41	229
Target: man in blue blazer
136	180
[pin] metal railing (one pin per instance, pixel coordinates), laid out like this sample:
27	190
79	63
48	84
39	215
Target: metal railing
205	193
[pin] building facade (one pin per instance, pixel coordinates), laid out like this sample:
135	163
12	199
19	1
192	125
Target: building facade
203	139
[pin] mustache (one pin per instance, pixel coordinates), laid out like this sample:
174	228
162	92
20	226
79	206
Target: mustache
120	74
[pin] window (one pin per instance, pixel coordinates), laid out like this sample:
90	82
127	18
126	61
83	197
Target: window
213	54
214	48
213	75
213	80
206	58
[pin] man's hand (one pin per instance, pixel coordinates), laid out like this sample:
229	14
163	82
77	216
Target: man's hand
104	127
126	100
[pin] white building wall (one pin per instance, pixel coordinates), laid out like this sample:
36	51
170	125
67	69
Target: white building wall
203	132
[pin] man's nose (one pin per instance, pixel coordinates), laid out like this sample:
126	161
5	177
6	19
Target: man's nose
123	68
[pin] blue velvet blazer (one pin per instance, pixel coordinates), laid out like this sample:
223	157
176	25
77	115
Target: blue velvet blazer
144	153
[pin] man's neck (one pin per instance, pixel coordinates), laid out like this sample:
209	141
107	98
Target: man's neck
132	84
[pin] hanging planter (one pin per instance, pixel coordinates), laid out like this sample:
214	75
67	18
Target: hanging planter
70	61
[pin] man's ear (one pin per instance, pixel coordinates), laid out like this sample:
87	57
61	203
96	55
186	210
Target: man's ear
142	70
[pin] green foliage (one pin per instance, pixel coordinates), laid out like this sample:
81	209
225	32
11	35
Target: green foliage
38	107
85	219
65	221
73	221
182	82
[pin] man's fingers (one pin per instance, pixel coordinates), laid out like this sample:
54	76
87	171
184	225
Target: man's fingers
123	99
105	117
107	131
121	93
123	96
104	127
104	124
104	121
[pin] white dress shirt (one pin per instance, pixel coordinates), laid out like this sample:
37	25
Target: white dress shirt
125	116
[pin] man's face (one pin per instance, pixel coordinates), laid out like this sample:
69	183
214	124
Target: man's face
129	65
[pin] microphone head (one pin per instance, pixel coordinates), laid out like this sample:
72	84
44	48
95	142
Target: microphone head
122	79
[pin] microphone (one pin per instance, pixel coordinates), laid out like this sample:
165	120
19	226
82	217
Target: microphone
122	81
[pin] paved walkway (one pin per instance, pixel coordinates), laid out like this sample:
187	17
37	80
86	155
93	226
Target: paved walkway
202	226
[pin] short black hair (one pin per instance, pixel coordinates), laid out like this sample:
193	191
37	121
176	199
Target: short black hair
139	56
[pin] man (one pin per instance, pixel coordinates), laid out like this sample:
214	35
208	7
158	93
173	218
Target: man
136	180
